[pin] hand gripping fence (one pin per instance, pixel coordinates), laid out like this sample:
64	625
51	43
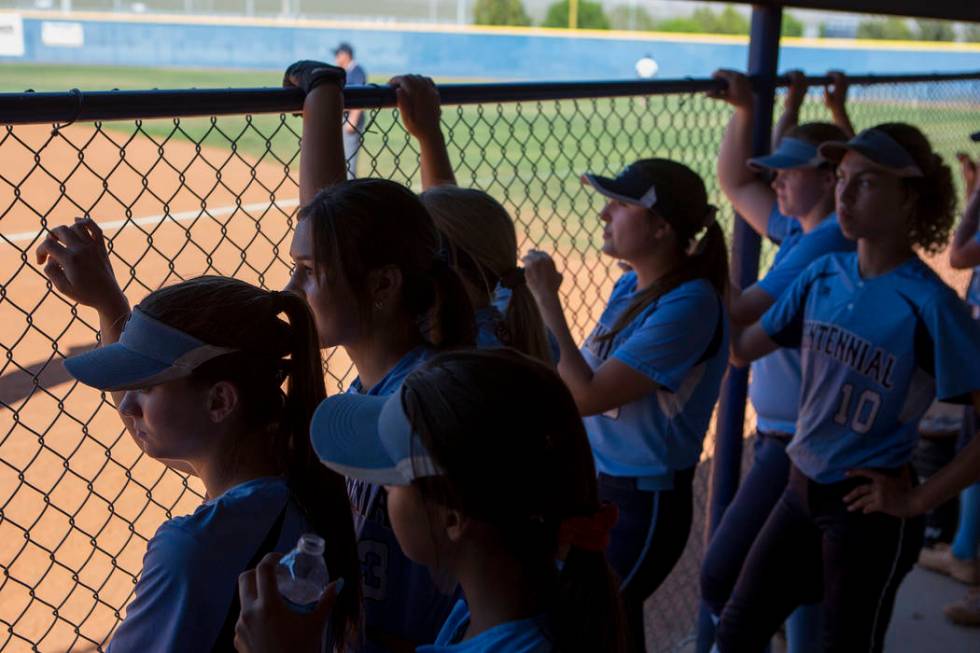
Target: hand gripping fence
185	183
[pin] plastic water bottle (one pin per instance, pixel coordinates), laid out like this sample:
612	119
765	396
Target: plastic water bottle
302	574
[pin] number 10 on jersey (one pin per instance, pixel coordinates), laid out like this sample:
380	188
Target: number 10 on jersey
861	413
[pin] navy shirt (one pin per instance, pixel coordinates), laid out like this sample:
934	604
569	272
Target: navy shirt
400	596
357	77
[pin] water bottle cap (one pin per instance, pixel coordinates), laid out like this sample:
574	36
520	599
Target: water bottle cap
311	543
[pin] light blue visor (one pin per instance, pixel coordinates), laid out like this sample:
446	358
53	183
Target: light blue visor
791	153
369	438
149	352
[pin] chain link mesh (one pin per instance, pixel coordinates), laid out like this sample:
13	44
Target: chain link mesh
180	198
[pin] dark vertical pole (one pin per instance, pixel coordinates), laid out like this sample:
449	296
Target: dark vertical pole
727	460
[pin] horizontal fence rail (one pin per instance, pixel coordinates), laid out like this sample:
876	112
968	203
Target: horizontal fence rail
69	106
196	182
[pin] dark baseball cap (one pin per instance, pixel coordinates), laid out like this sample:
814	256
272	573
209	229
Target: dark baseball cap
880	148
345	47
673	190
975	136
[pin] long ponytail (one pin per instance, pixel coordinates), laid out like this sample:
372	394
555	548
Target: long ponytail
270	352
482	247
682	201
321	492
525	325
447	320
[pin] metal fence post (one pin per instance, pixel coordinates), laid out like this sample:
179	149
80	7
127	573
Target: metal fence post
727	460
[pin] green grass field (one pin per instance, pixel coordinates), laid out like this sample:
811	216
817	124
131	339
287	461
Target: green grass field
529	155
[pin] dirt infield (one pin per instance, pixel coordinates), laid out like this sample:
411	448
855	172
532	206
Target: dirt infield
78	499
78	494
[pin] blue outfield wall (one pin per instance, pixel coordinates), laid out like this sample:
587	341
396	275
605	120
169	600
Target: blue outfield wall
518	54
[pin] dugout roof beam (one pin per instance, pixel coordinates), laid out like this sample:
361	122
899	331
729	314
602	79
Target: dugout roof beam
963	10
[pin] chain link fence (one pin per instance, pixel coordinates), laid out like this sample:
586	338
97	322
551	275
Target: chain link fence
182	197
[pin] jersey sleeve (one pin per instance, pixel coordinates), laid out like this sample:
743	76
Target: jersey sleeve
779	226
955	340
174	605
674	337
787	269
783	322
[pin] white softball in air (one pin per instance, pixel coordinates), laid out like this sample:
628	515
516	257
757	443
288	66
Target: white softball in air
646	67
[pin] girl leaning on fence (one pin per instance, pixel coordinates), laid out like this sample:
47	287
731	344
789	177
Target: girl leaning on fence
367	260
504	500
648	376
197	372
880	336
480	237
787	197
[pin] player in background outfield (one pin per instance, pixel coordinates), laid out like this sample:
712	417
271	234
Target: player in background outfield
796	211
960	560
880	336
366	256
648	376
479	234
197	375
353	129
494	497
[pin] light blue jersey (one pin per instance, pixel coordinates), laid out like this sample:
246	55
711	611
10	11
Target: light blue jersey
680	341
874	353
775	387
523	636
400	596
192	563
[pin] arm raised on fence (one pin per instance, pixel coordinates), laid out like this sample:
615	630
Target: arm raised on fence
419	107
321	159
835	97
76	261
751	196
964	250
795	96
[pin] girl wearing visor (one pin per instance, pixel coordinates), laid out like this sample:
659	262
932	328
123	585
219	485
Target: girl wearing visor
528	551
368	260
197	374
960	559
796	211
647	378
880	335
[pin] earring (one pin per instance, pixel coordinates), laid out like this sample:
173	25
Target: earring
378	305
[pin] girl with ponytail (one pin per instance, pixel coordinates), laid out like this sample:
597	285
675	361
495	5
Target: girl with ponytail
529	551
647	378
219	378
479	234
371	265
